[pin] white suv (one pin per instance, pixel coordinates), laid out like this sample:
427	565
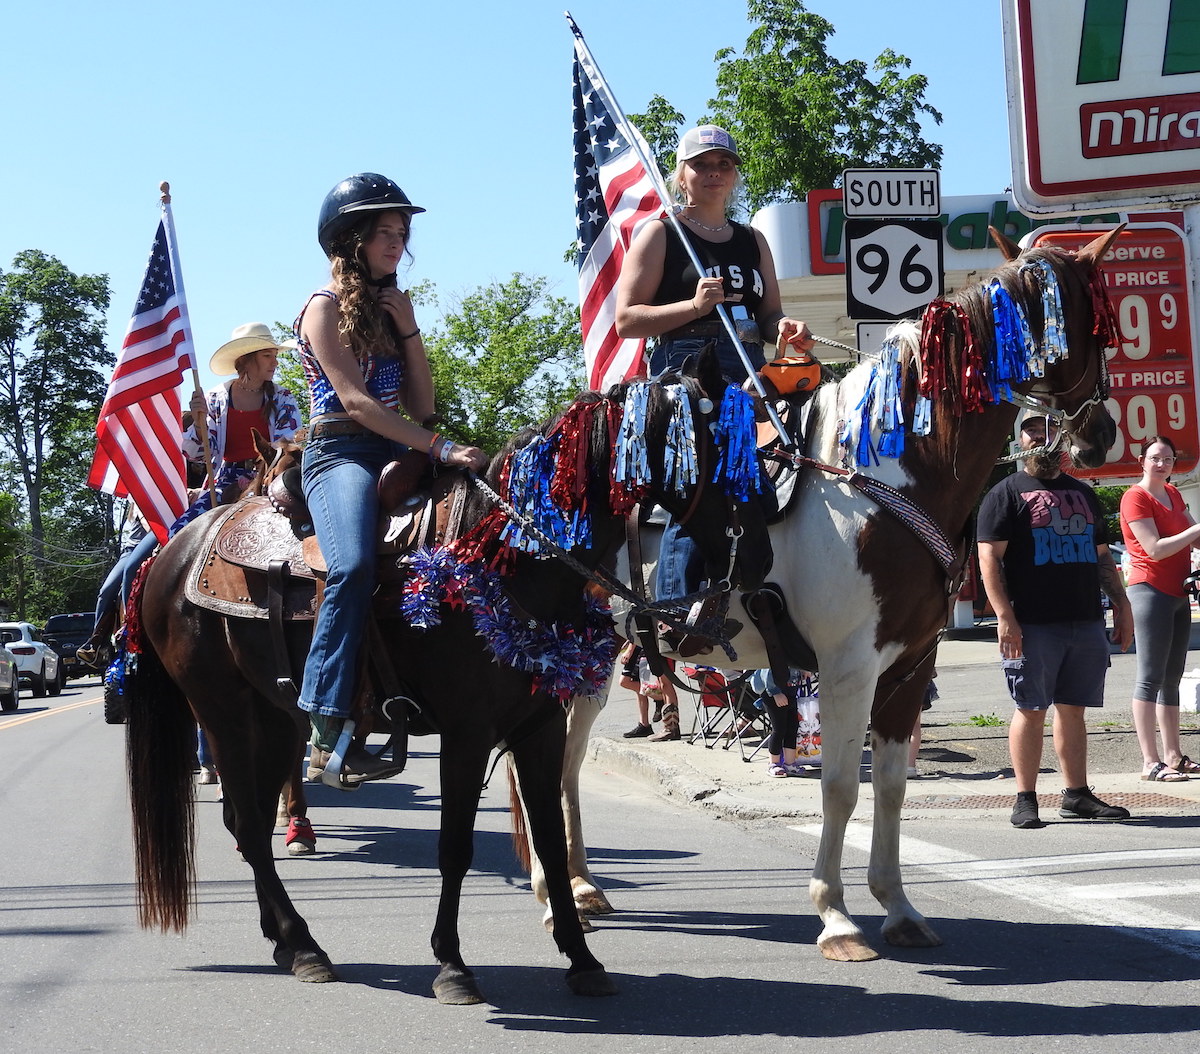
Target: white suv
37	662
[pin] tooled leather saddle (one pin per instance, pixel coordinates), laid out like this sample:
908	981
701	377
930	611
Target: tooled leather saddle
258	561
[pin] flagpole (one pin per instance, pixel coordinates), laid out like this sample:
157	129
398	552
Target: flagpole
660	188
201	424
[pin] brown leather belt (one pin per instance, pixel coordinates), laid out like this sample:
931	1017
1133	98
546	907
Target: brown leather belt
696	329
338	426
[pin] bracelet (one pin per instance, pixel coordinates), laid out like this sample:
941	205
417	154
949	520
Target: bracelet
409	336
444	453
695	308
433	443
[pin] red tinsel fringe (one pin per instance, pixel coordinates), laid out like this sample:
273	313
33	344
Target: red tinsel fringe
568	486
133	609
1105	325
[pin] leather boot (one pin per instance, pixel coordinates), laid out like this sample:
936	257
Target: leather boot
670	720
347	765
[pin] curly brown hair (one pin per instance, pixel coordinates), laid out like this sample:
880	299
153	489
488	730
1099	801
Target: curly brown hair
361	323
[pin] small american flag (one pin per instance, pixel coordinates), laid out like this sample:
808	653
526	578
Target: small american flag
138	435
614	197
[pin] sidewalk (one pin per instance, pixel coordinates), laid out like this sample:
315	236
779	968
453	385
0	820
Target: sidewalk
964	763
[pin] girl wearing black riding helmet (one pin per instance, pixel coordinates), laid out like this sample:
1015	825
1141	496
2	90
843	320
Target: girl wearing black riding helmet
370	383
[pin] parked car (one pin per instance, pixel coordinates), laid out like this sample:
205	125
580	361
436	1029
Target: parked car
36	660
10	680
65	634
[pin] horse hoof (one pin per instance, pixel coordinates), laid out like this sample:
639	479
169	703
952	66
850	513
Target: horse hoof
313	968
301	848
849	948
456	987
594	903
591	982
911	933
584	923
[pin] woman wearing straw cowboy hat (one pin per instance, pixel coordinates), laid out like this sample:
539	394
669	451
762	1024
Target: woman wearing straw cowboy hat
250	400
370	383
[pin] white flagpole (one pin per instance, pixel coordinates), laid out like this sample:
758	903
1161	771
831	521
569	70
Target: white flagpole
651	166
177	276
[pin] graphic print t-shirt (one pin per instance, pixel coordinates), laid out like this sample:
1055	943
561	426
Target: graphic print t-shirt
1052	527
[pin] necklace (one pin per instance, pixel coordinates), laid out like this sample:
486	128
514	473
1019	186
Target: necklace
705	226
246	388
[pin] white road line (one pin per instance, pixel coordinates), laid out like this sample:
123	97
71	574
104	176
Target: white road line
1163	928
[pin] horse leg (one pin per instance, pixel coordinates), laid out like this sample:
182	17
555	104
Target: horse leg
538	760
589	898
301	839
255	758
463	762
845	701
904	926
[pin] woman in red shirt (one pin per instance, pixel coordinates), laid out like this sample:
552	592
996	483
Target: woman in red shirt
1159	534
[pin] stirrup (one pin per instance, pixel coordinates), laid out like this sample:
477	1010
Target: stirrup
332	774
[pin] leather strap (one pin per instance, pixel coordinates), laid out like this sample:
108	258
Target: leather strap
278	572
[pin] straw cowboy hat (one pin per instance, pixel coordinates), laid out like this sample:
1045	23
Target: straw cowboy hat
253	336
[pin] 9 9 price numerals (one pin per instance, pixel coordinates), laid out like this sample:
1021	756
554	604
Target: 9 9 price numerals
1140	419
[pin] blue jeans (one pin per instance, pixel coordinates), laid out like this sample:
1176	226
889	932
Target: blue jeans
670	355
340	475
122	575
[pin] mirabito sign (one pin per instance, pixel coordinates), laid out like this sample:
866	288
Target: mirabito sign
1104	103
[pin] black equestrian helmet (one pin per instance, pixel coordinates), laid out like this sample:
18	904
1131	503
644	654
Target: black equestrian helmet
365	192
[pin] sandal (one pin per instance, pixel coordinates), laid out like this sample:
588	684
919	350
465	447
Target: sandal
1186	764
1162	773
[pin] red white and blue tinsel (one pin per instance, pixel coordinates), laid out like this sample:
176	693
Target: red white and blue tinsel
563	660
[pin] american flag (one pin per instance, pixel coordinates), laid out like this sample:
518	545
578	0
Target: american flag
138	435
614	197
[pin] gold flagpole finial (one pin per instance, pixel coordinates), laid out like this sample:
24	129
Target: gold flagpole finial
165	189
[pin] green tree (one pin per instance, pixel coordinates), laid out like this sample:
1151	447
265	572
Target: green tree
52	382
800	116
506	355
660	126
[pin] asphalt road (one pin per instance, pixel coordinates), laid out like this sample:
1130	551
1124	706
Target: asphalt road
1086	940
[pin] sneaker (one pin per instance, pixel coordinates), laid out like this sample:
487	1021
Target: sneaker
1025	814
775	769
638	732
1081	802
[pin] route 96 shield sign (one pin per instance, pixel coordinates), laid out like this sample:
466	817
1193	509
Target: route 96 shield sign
893	267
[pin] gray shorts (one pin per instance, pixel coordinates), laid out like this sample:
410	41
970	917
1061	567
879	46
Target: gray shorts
1063	662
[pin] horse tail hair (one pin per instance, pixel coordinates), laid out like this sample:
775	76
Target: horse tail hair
520	832
161	753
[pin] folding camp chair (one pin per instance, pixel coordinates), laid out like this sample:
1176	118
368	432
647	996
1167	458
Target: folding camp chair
713	709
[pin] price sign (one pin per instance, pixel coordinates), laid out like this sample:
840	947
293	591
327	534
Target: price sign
893	267
1153	374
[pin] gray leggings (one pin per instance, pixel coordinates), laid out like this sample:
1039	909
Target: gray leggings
1163	628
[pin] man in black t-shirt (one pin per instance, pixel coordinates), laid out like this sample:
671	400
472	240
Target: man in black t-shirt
1044	559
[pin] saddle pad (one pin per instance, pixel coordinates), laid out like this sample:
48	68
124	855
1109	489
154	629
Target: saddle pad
236	584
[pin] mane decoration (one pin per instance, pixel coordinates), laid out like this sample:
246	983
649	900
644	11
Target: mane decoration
564	661
967	369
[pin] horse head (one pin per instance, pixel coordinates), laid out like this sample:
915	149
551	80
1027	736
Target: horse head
1075	385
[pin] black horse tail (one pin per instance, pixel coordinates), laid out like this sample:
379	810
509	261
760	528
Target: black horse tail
520	832
161	755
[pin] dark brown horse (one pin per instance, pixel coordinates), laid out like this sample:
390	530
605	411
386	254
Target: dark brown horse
193	654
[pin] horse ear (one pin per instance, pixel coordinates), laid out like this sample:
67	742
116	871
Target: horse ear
708	372
1094	251
1005	244
265	450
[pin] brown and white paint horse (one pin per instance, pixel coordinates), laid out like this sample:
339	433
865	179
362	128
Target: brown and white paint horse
870	599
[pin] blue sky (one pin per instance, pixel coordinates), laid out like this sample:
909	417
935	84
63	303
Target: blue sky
253	110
